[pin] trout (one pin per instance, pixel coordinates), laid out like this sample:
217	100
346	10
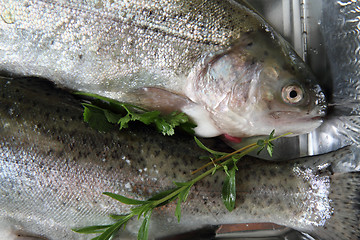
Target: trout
217	61
54	168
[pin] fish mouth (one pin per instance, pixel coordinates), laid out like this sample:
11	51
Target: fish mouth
295	122
313	119
290	114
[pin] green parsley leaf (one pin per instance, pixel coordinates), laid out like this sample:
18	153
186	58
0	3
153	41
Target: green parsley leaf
164	127
124	121
103	112
149	117
96	118
112	117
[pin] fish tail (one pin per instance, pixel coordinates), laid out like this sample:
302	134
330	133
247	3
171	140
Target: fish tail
344	222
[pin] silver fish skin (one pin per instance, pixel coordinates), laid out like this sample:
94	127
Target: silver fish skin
217	61
54	168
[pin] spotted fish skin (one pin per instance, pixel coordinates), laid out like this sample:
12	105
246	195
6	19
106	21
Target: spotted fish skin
54	168
217	61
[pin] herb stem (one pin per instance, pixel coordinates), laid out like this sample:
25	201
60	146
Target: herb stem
236	152
242	152
168	197
114	228
223	157
208	172
250	148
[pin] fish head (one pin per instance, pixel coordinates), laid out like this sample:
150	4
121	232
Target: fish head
257	85
288	99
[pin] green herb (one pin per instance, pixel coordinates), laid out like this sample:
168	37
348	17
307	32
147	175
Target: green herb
268	144
229	190
92	229
103	113
144	229
143	209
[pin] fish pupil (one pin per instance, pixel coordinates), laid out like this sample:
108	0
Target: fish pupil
293	94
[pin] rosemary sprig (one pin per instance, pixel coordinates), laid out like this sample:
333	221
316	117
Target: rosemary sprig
181	191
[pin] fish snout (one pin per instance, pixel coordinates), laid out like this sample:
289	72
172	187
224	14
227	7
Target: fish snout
321	104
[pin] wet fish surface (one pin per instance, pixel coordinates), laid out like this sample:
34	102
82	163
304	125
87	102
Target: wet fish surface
54	168
217	61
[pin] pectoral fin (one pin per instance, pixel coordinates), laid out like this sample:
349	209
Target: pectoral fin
153	98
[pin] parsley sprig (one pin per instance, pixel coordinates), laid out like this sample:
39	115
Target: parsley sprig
103	113
219	160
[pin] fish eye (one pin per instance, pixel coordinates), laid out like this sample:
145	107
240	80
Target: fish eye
292	94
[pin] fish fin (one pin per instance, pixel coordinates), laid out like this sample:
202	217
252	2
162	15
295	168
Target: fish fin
153	98
329	160
344	196
345	200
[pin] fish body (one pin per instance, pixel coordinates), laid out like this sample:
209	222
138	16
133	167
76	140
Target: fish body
217	61
54	168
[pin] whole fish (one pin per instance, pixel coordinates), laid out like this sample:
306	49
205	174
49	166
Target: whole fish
54	168
217	61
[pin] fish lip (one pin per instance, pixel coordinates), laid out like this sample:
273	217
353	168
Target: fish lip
317	117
